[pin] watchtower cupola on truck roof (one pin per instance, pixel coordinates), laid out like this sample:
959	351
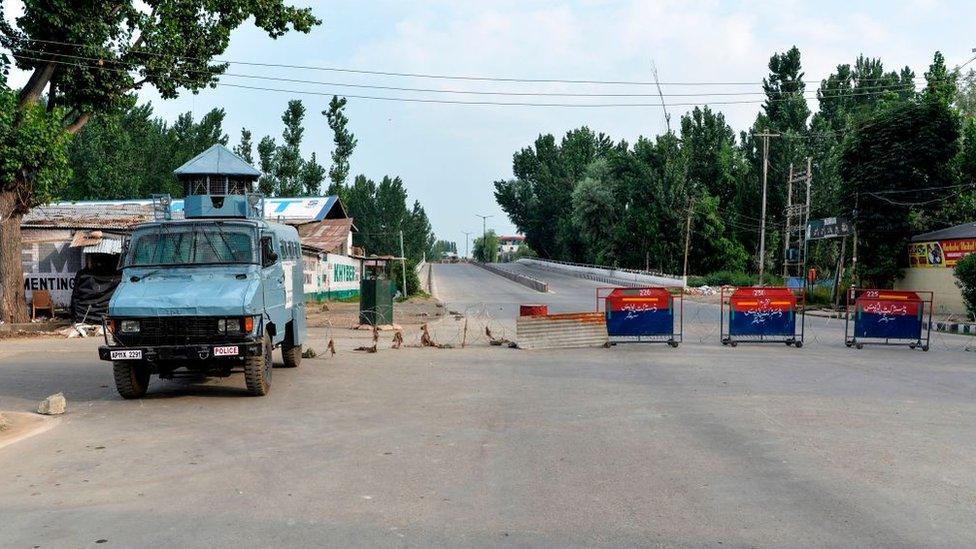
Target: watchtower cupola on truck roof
219	184
217	171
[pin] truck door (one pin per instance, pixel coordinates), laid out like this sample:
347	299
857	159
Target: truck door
273	284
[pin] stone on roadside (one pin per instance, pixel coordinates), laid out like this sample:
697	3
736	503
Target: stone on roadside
4	423
53	405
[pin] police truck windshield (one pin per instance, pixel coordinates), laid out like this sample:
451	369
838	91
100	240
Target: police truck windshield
192	245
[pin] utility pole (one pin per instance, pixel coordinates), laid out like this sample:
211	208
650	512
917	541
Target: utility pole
403	265
762	227
797	215
687	241
484	236
467	254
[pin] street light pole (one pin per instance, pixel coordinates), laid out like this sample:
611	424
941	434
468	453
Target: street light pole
403	265
484	234
762	227
467	254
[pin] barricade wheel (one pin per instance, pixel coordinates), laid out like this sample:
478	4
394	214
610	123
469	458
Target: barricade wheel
860	345
673	344
849	343
798	344
734	343
925	348
912	345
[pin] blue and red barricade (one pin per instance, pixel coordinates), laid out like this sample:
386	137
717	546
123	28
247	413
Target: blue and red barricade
888	317
643	315
761	314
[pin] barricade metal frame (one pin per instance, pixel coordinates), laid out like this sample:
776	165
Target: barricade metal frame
799	328
850	326
673	339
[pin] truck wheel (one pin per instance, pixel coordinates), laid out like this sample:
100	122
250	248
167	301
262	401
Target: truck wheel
291	353
131	379
257	370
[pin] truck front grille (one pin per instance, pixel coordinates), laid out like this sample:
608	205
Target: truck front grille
176	330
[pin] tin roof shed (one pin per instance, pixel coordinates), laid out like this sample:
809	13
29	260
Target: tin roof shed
965	230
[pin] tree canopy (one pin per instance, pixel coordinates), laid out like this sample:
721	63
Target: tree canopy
896	159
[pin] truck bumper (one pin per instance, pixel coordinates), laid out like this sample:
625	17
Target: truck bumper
198	352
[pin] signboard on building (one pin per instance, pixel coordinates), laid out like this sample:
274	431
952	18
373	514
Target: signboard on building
940	253
50	263
333	276
830	227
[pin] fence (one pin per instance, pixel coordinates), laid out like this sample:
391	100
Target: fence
624	277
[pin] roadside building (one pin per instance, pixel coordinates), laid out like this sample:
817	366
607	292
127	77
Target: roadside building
63	238
510	244
932	258
60	239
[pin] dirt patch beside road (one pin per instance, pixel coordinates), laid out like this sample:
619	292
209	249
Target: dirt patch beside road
16	426
413	312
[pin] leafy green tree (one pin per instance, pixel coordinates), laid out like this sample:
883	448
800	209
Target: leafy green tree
785	106
288	158
268	182
344	143
595	213
486	247
940	83
889	165
539	199
311	176
442	247
87	57
965	273
966	94
245	149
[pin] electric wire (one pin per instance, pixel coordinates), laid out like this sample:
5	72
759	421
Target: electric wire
433	75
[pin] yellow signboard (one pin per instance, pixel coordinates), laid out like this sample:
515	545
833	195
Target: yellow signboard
940	253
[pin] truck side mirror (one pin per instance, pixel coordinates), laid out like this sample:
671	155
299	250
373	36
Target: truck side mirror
268	255
123	254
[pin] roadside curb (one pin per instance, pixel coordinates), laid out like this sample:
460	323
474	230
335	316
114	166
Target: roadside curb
963	328
526	281
944	326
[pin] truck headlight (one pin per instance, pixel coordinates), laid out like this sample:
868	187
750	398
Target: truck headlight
129	326
231	325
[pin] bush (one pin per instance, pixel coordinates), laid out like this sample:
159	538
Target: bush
819	295
413	282
965	273
734	278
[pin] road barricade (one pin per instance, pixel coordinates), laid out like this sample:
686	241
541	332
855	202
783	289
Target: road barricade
761	314
642	315
561	331
888	317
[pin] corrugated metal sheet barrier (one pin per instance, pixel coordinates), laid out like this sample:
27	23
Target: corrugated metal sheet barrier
561	331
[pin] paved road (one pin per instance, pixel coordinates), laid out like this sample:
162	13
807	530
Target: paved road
486	446
467	286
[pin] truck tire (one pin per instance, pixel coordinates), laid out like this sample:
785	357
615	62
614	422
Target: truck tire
290	353
257	370
131	379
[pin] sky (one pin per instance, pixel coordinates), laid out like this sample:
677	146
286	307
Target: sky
449	155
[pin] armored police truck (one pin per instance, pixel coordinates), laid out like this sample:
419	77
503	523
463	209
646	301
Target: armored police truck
210	294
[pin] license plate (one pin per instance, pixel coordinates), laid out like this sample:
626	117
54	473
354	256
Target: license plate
230	350
130	354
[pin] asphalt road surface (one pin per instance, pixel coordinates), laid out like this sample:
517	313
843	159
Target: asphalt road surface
487	446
